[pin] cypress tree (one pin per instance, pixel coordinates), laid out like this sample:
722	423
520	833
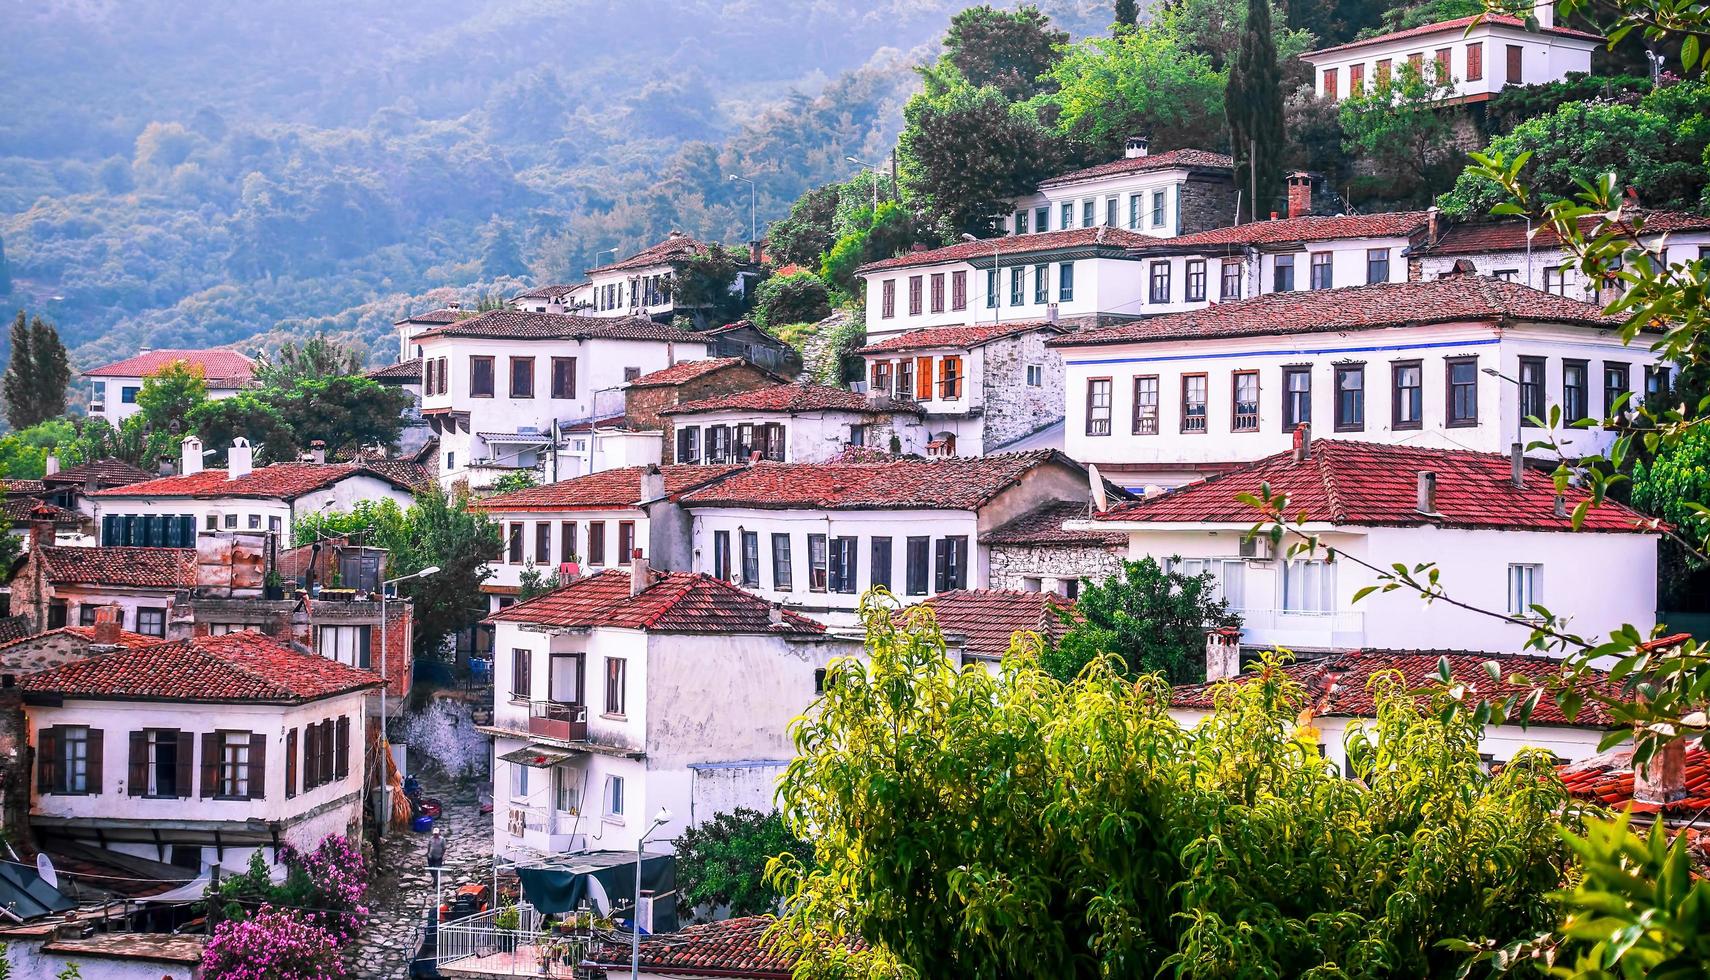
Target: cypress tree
1127	13
15	385
1254	107
52	369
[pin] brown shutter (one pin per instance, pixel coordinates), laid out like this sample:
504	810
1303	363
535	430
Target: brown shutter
310	754
210	764
341	763
290	763
327	751
137	783
258	767
97	753
186	763
47	759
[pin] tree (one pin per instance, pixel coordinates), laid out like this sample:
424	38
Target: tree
1127	14
870	238
532	581
1142	80
966	825
443	531
810	228
1253	107
965	152
34	384
347	413
702	284
1006	50
500	255
721	863
317	359
1152	619
250	414
168	396
1402	130
800	297
90	439
23	453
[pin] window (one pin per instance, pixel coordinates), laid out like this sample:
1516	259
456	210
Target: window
1146	405
522	674
1656	381
905	378
522	377
1160	284
1065	282
275	525
1086	214
565	796
1098	406
1193	403
238	758
951	571
1309	586
1406	392
918	555
614	797
151	622
744	441
1461	398
1110	205
938	292
1323	275
1042	284
450	461
1134	211
1018	285
255	522
86	615
1157	209
1021	222
880	574
1067	213
1416	64
1383	73
1330	84
564	377
992	288
480	377
1475	61
160	763
772	441
1523	590
290	764
1555	281
816	563
751	559
128	394
959	290
888	300
1196	281
843	568
1041	218
514	544
914	284
721	555
1377	265
1615	384
1441	67
1531	390
950	377
615	671
1357	79
567	541
689	444
1297	397
1245	409
1576	400
69	760
1282	276
625	541
596	542
542	542
783	576
1231	279
1515	75
519	782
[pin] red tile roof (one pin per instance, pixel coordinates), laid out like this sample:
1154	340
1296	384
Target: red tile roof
1370	484
86	633
22	510
1458	27
404	372
105	473
26	488
1311	228
965	338
1509	235
683	371
281	480
1390	304
1608	779
730	948
1043	527
675	247
142	568
1186	158
245	666
948	483
216	365
548	291
1339	685
1116	240
605	490
674	602
444	314
801	397
521	325
987	619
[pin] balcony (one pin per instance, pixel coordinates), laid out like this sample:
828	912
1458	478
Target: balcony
1303	630
555	720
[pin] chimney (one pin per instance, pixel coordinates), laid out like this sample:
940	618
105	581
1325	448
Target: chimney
107	626
1050	312
41	525
1433	225
1517	459
652	483
455	304
191	450
1561	507
239	459
775	613
1302	442
1630	199
1462	267
756	254
1136	147
1426	500
1544	12
640	575
1222	653
1663	779
1299	194
318	451
52	464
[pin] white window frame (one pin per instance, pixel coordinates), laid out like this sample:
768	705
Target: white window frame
612	799
1525	587
1307	586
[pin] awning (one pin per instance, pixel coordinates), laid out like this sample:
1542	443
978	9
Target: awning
538	756
516	438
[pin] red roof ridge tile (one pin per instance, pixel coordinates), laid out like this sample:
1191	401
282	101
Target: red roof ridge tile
1457	23
242	666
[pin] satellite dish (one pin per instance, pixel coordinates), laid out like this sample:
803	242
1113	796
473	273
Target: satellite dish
44	867
1100	502
597	892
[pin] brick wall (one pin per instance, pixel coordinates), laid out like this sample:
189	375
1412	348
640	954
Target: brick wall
643	405
1012	408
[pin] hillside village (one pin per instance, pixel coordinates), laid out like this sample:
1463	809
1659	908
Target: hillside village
1069	573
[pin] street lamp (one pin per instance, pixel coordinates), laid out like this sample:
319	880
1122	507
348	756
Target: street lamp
385	746
875	181
997	277
659	820
1520	399
753	222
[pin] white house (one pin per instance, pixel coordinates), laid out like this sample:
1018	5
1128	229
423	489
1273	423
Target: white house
638	285
68	586
199	752
1495	529
417	323
1456	362
1160	194
502	389
793	423
624	692
115	386
817	536
1511	250
1475	57
168	512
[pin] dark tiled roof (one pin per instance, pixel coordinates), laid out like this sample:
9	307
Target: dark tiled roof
245	666
281	480
23	488
105	473
22	510
948	483
216	365
968	337
604	490
1116	239
1509	234
675	247
1390	304
1043	527
1458	26
1310	228
1340	685
804	397
683	371
146	568
405	372
730	948
520	325
673	602
1608	779
988	619
1186	158
444	314
1369	484
549	291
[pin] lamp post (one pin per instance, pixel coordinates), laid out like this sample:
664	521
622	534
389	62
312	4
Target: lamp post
753	221
875	181
385	746
1519	401
659	820
997	276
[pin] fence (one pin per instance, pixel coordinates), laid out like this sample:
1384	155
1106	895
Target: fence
477	945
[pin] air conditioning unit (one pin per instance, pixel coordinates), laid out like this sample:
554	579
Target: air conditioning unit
1258	548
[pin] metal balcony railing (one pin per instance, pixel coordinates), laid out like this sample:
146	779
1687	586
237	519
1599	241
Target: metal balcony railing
553	719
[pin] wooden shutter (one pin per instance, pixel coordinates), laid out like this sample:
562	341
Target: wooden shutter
311	756
137	780
941	573
327	751
257	767
97	753
923	379
341	754
365	646
186	763
47	759
210	764
290	763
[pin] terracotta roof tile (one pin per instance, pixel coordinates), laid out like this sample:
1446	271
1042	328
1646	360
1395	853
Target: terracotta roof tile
674	602
1608	779
1310	228
966	338
22	510
216	365
948	483
105	473
1370	484
605	490
988	619
1117	240
1186	158
1043	527
26	488
86	633
802	397
1458	26
729	948
549	291
444	314
147	568
244	666
676	246
683	371
281	480
1509	235
520	325
1390	304
406	372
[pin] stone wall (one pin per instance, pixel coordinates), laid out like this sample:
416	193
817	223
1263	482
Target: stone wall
641	406
43	652
1012	409
1012	565
1209	202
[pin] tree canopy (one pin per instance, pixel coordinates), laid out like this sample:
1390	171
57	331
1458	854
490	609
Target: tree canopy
1007	50
1153	619
1253	105
33	386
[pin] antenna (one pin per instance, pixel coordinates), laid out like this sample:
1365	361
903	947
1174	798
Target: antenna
1101	502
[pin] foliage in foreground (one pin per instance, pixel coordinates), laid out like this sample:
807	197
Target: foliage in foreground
721	862
976	826
1152	618
272	944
